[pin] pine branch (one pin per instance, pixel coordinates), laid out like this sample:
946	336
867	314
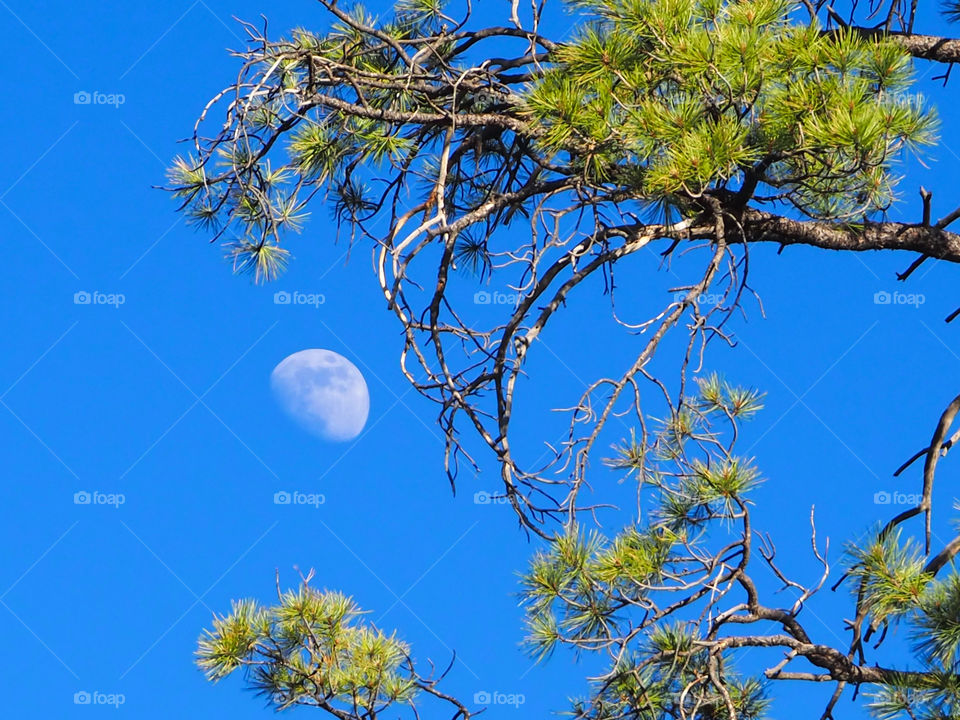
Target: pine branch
924	47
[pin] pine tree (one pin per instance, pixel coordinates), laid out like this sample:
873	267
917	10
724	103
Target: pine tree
699	125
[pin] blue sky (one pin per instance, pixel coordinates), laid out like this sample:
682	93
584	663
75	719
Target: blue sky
165	399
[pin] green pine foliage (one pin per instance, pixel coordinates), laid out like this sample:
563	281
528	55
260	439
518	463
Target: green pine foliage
677	97
309	649
587	592
930	609
892	574
663	100
242	198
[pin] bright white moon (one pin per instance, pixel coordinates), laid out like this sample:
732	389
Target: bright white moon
324	392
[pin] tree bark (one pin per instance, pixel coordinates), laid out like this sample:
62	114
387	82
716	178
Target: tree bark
762	226
925	47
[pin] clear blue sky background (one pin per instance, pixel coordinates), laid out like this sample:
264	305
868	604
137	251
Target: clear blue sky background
166	399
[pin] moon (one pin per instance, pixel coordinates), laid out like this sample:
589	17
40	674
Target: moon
323	392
